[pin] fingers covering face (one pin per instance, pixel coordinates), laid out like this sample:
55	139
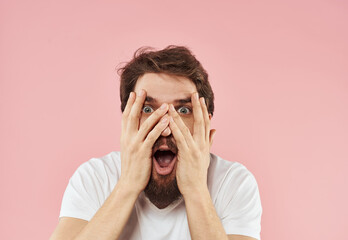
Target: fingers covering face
201	125
180	139
199	128
179	129
127	109
134	115
148	124
206	119
156	132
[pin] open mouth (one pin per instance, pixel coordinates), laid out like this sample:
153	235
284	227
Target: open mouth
164	161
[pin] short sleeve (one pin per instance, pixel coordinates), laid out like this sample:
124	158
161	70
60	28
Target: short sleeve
85	193
241	202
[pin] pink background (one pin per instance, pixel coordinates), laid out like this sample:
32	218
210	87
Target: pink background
279	71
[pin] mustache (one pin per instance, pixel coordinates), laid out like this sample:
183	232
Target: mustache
168	141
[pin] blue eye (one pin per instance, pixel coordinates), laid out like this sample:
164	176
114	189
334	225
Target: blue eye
147	109
184	110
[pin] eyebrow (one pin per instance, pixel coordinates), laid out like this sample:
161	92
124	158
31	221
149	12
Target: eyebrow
181	101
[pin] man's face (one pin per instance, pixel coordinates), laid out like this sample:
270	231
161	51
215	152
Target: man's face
163	88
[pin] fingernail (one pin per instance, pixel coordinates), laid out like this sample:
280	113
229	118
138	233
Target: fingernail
142	92
172	107
203	100
163	106
196	95
166	131
164	120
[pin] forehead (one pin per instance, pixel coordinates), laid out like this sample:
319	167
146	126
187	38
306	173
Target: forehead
164	87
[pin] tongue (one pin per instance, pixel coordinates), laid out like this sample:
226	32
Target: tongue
164	158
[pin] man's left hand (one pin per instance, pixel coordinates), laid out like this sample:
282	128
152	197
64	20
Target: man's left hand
193	156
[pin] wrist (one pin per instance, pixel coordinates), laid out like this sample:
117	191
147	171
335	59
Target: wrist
195	191
124	188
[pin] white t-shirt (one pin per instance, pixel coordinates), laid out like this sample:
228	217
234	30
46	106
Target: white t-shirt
232	187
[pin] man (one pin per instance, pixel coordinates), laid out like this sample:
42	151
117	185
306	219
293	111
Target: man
170	186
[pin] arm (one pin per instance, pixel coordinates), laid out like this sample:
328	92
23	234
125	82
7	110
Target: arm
204	223
192	169
136	150
107	223
202	218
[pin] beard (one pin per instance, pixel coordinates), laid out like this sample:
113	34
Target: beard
163	190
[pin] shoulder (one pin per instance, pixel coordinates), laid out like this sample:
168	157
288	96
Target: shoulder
104	169
236	197
90	185
228	176
110	161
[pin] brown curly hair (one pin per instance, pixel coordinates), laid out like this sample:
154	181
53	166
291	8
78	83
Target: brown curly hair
174	60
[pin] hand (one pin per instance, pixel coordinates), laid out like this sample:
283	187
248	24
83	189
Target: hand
136	145
193	151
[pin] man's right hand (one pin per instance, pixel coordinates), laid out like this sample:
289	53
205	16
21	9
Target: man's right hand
137	143
136	163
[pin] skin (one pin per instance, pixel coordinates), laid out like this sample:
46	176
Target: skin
167	89
193	137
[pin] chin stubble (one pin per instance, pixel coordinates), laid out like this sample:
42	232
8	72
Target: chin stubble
162	193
